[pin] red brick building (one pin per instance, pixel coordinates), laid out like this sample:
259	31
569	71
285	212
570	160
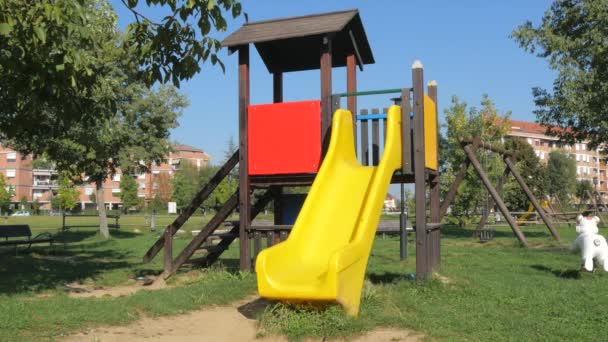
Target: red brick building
590	163
40	183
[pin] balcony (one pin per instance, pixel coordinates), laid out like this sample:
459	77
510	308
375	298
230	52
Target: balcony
44	172
45	183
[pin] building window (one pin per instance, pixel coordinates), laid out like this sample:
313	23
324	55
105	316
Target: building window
529	141
576	147
10	173
115	191
536	142
11	157
116	177
542	155
88	191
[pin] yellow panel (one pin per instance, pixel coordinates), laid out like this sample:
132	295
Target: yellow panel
325	257
430	134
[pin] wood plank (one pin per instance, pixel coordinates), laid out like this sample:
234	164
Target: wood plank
375	138
244	184
364	139
198	200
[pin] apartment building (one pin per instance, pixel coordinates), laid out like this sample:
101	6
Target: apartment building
590	163
33	181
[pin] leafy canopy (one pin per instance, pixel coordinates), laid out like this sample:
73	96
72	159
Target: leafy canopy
573	37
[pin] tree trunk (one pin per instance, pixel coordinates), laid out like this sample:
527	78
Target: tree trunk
101	208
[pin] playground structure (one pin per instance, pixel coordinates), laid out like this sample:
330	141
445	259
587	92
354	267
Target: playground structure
284	144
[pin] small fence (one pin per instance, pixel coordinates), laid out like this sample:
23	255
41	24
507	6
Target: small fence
64	226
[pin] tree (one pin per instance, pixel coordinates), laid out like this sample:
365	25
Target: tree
463	122
54	59
36	206
583	189
532	171
572	37
561	176
128	193
6	193
157	205
67	196
23	203
163	188
185	184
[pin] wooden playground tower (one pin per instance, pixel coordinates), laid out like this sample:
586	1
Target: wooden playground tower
320	41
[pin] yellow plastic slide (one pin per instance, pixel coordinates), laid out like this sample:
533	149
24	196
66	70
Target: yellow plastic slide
325	257
522	220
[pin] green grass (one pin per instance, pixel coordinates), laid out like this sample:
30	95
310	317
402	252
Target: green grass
491	291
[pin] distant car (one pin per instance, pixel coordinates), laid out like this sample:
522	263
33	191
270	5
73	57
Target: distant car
21	213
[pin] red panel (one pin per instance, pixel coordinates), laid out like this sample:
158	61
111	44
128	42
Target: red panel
284	138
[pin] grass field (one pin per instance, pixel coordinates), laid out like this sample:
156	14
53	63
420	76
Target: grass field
491	291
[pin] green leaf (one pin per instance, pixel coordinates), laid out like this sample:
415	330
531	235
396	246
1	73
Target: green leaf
5	29
73	82
210	5
59	67
40	33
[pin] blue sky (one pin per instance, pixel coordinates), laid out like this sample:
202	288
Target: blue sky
464	45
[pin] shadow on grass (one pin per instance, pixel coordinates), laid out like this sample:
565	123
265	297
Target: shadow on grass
567	274
389	277
46	267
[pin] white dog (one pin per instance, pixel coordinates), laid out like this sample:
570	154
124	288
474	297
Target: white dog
591	245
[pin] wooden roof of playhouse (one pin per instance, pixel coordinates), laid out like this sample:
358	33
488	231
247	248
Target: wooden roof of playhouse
293	44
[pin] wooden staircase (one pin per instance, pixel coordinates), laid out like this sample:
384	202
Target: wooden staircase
215	237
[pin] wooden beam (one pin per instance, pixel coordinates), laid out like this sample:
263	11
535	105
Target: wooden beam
244	184
490	203
198	200
351	87
460	176
326	90
531	197
356	49
486	181
423	265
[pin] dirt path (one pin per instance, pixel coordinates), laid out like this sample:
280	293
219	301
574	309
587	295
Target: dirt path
220	323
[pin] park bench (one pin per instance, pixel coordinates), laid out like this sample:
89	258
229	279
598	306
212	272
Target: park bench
21	234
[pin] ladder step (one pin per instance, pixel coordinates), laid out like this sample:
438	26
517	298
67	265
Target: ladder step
224	235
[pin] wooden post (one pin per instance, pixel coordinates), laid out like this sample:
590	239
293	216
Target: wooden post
244	185
531	197
351	87
326	89
501	205
277	191
168	250
435	201
364	140
277	87
406	133
423	266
